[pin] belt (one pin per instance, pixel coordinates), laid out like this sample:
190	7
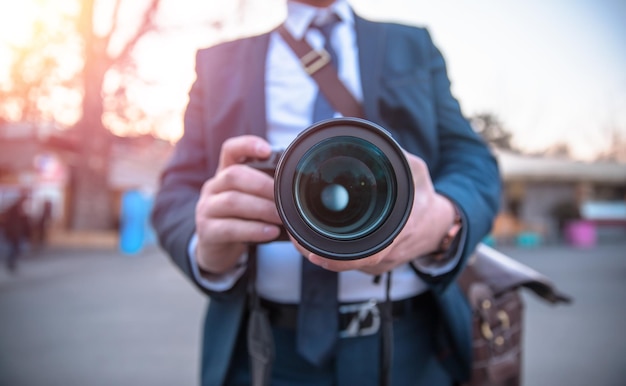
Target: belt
355	319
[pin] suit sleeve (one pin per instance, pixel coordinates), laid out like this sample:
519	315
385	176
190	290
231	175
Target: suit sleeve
189	167
466	171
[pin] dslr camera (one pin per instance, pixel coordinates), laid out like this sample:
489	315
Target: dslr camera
343	188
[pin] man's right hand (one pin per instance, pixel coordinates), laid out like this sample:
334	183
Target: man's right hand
236	206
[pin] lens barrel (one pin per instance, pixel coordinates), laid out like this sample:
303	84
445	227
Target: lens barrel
343	188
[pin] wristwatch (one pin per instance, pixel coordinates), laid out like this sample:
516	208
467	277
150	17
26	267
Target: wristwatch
450	236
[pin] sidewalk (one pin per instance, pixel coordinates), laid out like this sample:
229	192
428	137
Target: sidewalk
76	315
579	344
57	253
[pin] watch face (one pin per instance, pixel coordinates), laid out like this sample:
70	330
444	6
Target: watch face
452	232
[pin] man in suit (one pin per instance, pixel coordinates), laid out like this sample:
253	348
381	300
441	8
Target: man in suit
252	95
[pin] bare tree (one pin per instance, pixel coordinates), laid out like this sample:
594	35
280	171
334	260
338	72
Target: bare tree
91	201
615	150
35	73
558	149
492	130
40	71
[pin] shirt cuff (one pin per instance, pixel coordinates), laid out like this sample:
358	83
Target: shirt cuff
214	282
429	266
433	266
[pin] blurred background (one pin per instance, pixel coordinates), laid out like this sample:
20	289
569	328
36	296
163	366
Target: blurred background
92	95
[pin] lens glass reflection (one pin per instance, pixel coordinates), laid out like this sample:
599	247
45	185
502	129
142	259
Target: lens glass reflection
344	187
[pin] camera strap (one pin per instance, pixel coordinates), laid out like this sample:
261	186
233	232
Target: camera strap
259	330
318	65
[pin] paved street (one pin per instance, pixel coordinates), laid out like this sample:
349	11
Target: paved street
74	317
582	343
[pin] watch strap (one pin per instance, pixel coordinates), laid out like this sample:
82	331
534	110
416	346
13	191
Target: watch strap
451	235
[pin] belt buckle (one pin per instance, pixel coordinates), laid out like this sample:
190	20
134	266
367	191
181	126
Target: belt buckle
365	319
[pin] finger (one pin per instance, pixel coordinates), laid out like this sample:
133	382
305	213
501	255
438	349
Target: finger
243	179
331	265
233	230
344	265
419	170
239	205
377	270
238	149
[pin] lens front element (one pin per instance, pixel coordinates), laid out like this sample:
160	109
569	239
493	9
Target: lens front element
344	187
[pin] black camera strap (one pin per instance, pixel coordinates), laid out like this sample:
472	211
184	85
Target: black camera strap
259	334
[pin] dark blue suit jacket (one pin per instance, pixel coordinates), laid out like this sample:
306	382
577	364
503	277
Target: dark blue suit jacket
406	90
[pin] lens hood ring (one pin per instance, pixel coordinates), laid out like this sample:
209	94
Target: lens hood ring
380	233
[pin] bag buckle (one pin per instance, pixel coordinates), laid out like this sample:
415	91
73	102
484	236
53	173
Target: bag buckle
365	319
505	323
315	60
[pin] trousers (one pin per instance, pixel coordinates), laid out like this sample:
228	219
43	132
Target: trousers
357	359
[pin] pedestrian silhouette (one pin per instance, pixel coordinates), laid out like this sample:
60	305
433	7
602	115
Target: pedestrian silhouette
16	229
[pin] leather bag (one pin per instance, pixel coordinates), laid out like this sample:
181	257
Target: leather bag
492	282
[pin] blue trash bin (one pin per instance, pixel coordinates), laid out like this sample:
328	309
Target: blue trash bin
134	219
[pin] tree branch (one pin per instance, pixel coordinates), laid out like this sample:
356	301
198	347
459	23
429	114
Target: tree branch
114	23
147	24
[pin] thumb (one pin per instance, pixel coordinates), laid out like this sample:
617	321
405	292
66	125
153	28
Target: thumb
419	171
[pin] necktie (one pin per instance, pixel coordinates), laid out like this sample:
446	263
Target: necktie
318	321
321	107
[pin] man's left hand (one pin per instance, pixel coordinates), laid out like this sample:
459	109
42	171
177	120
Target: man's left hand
431	216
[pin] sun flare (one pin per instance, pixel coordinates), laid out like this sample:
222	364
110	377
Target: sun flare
16	20
552	81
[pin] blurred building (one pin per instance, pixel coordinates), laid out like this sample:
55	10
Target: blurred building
38	159
30	160
542	193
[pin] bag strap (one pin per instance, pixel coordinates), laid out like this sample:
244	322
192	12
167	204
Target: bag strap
318	65
502	273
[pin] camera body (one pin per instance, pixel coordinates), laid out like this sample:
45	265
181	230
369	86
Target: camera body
267	166
343	188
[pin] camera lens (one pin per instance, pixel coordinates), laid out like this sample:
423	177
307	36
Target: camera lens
344	187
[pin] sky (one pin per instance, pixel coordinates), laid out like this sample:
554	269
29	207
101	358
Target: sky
551	70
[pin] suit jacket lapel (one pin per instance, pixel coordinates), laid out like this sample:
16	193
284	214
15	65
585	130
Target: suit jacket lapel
371	44
370	41
254	70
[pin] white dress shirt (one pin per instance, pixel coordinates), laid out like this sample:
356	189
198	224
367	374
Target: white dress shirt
290	93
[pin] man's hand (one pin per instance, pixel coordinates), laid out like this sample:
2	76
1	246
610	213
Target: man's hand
431	216
236	206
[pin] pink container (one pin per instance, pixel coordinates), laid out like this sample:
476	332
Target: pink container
581	233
